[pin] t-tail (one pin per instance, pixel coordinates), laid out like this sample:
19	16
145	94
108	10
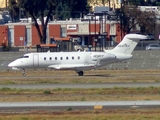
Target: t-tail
128	44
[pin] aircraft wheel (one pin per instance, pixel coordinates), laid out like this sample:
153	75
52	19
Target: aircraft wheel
80	73
24	74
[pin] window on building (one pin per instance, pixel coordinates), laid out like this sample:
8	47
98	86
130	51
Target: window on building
63	32
86	40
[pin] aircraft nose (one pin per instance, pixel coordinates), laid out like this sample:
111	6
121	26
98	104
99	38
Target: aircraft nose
11	64
14	63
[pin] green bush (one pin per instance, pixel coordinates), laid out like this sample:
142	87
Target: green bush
46	92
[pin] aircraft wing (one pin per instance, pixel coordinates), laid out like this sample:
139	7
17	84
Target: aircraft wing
72	66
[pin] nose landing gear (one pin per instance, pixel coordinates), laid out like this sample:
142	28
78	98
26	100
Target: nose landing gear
23	72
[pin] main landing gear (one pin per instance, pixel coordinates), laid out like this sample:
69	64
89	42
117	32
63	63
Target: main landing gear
23	72
80	73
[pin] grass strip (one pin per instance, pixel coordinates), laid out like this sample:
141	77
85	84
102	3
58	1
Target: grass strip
100	91
93	76
67	94
129	114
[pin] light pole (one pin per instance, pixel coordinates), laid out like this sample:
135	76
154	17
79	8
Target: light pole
105	31
89	37
121	20
95	30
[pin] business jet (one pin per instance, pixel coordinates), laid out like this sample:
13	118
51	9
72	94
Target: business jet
78	61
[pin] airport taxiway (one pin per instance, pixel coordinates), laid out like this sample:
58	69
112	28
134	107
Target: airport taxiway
80	85
75	105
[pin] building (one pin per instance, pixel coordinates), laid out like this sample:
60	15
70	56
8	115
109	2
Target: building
3	3
110	3
92	32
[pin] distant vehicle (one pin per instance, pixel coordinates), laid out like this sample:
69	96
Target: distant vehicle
150	36
153	47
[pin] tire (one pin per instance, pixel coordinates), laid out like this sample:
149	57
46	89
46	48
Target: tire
80	73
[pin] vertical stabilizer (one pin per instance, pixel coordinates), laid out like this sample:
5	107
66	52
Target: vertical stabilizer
128	44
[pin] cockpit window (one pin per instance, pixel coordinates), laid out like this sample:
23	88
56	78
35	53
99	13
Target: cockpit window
25	57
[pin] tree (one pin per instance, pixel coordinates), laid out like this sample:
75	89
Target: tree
100	2
39	9
144	3
132	17
147	22
106	1
78	7
14	10
71	9
137	2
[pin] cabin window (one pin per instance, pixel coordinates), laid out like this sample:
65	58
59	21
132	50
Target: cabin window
50	58
61	58
44	58
66	58
78	57
72	58
55	58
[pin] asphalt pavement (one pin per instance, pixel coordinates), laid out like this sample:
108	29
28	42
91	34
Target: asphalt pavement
79	85
76	105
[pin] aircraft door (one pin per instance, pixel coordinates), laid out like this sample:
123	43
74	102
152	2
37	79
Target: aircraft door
35	61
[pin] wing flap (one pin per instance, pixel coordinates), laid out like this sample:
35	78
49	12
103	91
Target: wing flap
71	66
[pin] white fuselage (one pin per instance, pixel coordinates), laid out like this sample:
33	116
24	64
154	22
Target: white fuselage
68	60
